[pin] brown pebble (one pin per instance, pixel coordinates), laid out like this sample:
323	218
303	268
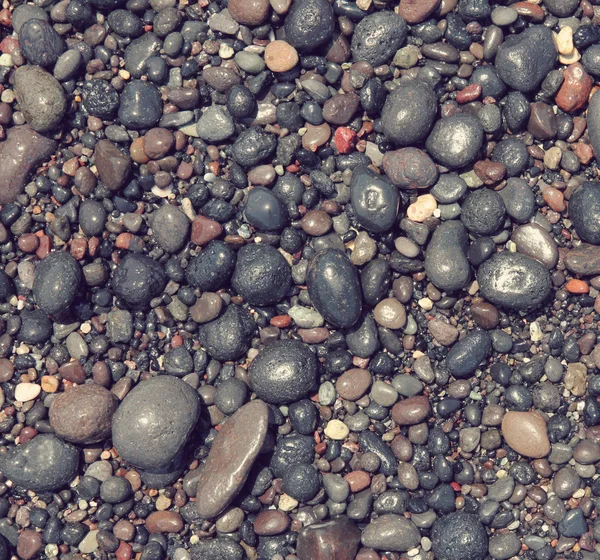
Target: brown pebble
207	307
158	142
271	522
390	313
358	480
526	433
411	411
353	384
164	522
280	56
316	222
29	544
249	12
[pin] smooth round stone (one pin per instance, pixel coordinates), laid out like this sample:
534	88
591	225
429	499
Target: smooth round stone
241	104
491	84
56	282
519	200
231	457
409	112
309	24
446	261
391	532
411	411
25	392
178	361
459	536
483	212
378	36
513	154
449	188
215	125
154	422
535	242
334	288
229	336
284	372
526	433
390	313
212	268
141	105
375	200
249	12
262	276
25	12
207	307
125	23
455	141
115	489
138	279
410	168
468	353
83	414
36	327
41	97
265	211
503	16
584	212
40	43
170	227
525	59
514	281
43	464
164	522
301	482
92	217
230	395
253	146
317	540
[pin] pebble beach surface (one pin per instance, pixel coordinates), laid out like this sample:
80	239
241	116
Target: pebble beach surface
299	280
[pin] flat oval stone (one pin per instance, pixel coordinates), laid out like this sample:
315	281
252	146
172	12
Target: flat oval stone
526	433
83	414
231	457
514	281
335	539
584	260
468	353
446	261
41	97
56	282
375	200
535	242
391	532
141	105
334	288
411	411
584	212
43	464
154	422
409	112
40	43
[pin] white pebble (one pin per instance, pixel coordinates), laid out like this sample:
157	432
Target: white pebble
25	392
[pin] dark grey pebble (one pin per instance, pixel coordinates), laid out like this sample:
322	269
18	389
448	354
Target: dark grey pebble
212	268
483	212
334	287
220	548
36	327
92	217
455	141
309	24
139	51
466	355
265	210
138	279
229	336
56	282
378	36
519	200
40	43
262	276
584	212
170	227
253	146
141	105
459	536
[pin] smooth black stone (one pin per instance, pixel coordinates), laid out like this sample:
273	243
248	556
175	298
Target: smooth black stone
519	200
491	84
43	464
229	336
375	280
456	32
115	489
378	36
373	95
56	282
212	268
309	24
178	361
449	188
513	153
231	395
125	23
92	217
468	353
455	141
362	338
265	210
291	450
301	482
334	288
7	288
40	43
516	111
584	212
141	105
36	327
138	279
573	524
524	59
262	276
139	51
459	536
514	281
374	199
241	103
483	212
446	261
283	372
303	417
253	146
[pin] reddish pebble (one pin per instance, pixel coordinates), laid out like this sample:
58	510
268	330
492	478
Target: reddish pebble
271	522
577	287
44	247
575	90
281	321
205	230
468	94
164	522
78	248
124	552
27	434
345	139
554	198
358	480
28	242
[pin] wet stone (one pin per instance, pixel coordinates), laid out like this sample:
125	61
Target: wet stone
138	279
170	227
459	536
410	168
455	141
468	353
229	336
56	283
154	422
253	146
44	464
266	211
483	212
391	532
338	538
40	43
526	433
584	212
309	24
141	105
113	165
535	242
378	36
231	457
100	99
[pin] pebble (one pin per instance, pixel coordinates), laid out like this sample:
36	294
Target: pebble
231	457
309	24
137	279
154	421
41	98
215	125
459	536
40	43
411	411
284	372
43	464
140	105
229	336
56	282
410	168
535	242
83	415
317	540
113	165
514	281
483	212
466	355
584	208
250	13
526	433
391	532
378	36
280	56
455	141
171	227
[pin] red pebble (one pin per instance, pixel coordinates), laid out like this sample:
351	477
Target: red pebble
205	230
281	321
345	139
124	552
468	94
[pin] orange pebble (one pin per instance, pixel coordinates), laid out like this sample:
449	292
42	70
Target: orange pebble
575	286
281	321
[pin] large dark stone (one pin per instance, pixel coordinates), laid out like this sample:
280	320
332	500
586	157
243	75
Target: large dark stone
309	24
56	283
459	536
138	279
229	336
584	212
